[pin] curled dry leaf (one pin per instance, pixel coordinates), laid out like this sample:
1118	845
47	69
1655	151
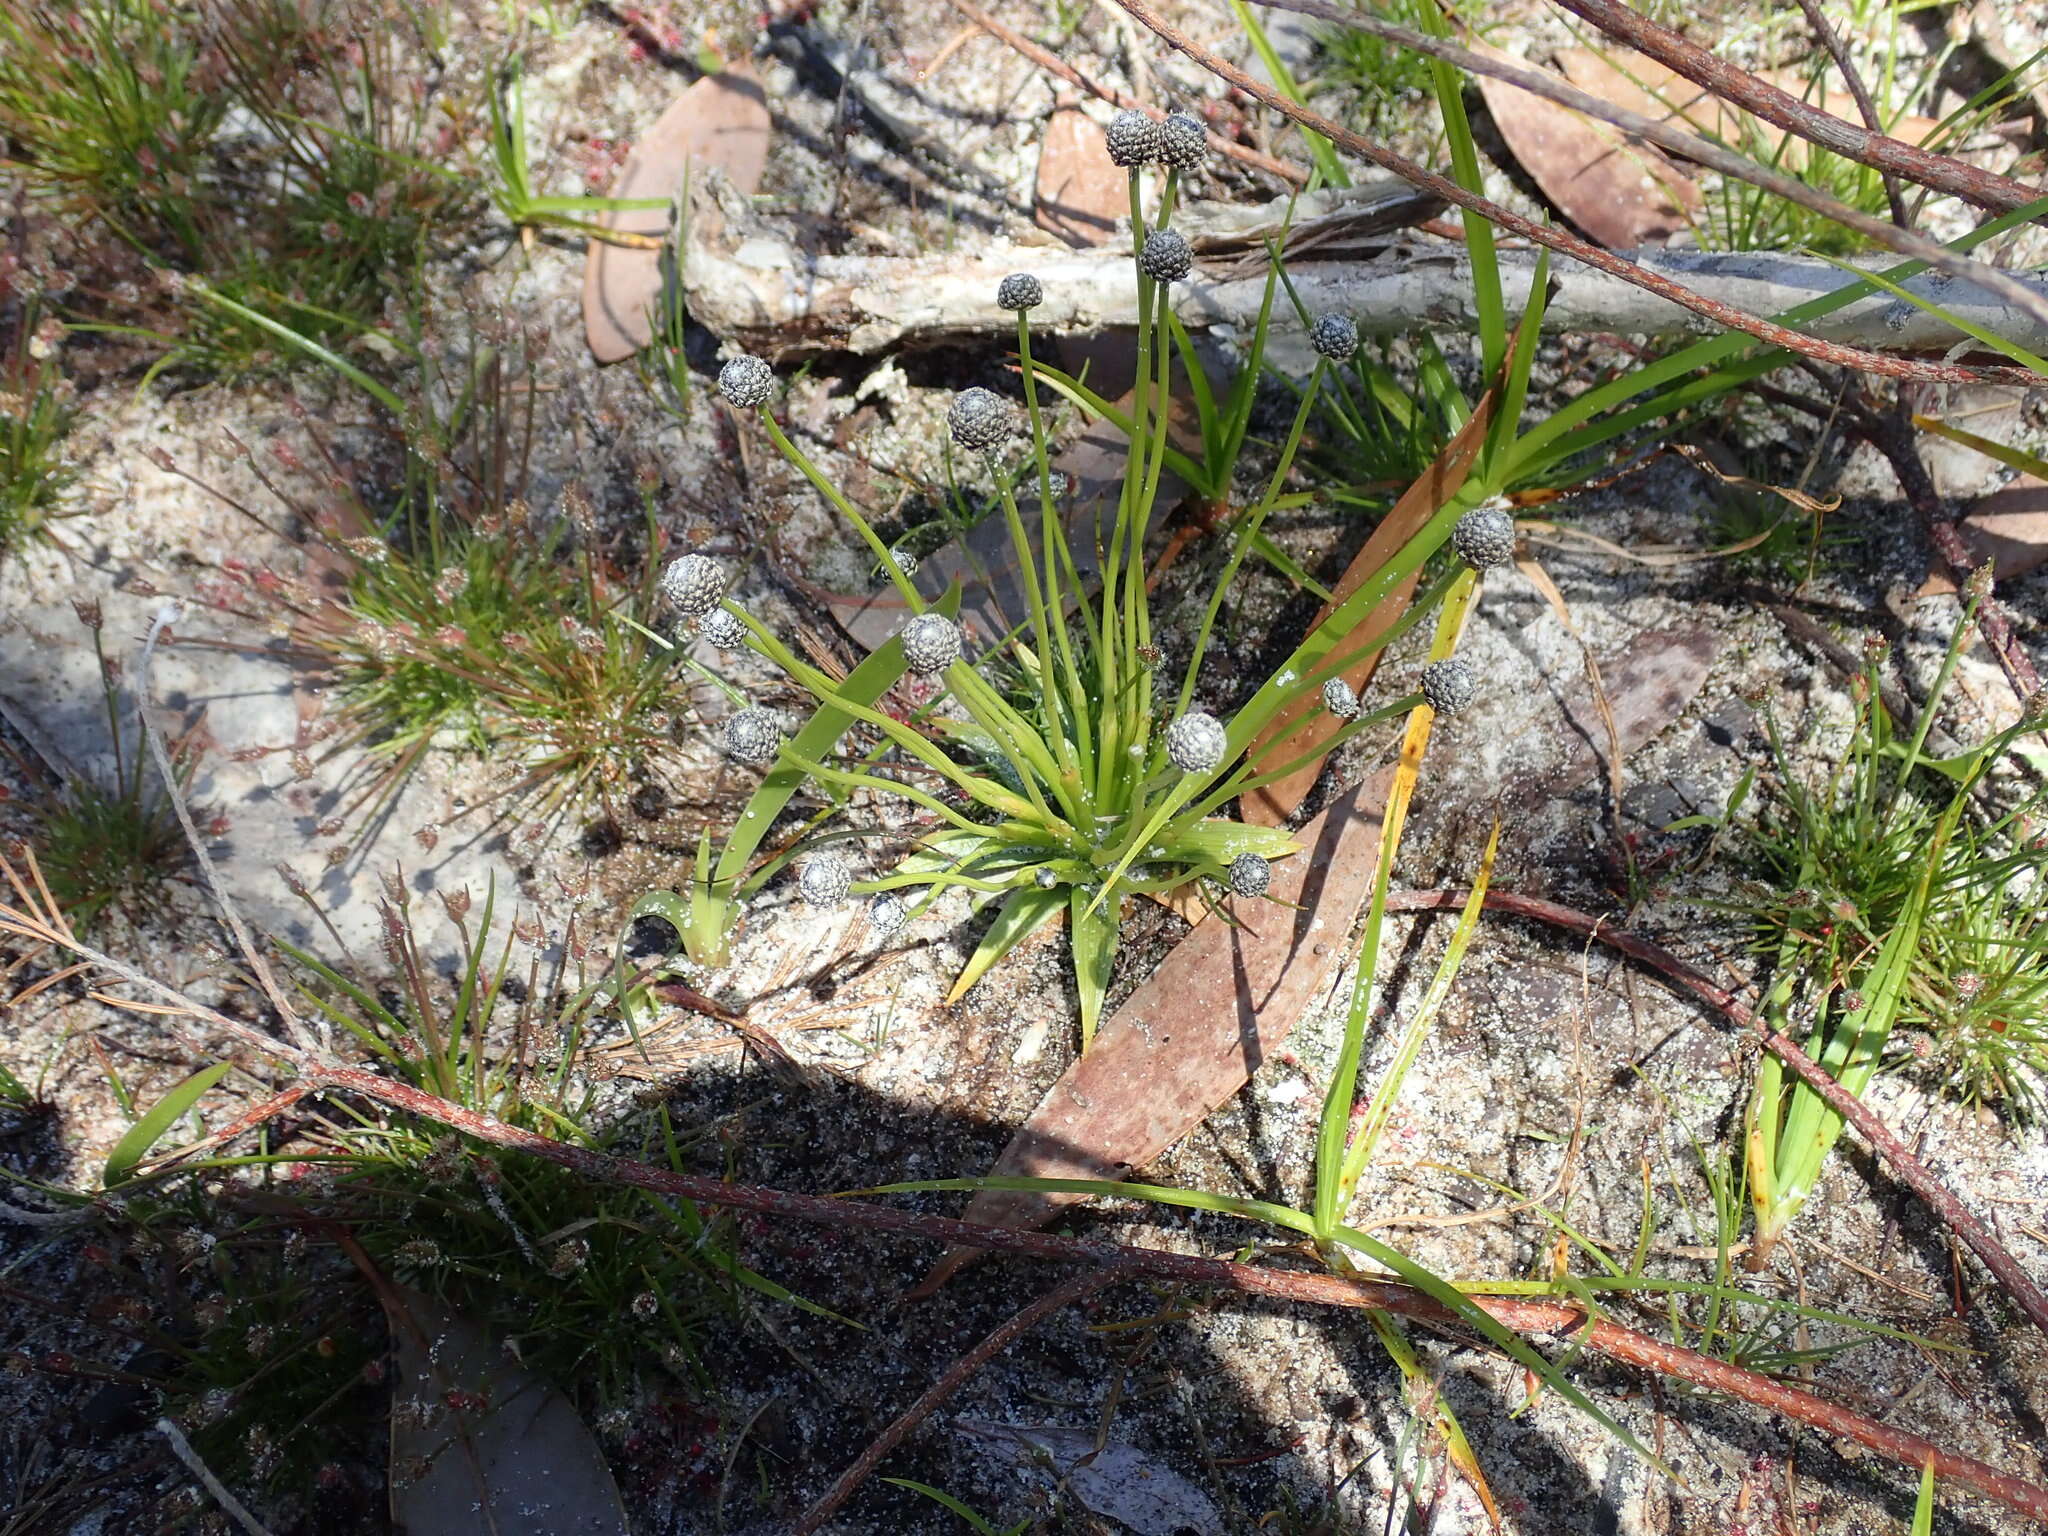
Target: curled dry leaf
1620	191
1702	461
720	121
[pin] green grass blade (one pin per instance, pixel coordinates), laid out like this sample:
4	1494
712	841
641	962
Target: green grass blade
156	1123
1092	937
1025	911
1196	474
558	205
1320	151
1381	1109
381	393
1923	1506
947	1501
1487	299
1603	412
1498	1333
2013	458
1992	339
864	685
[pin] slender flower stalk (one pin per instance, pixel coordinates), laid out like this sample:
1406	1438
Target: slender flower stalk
1059	784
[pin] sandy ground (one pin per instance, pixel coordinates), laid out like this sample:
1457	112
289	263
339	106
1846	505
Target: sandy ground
1556	1072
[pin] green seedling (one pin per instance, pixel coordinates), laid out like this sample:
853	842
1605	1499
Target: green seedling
513	184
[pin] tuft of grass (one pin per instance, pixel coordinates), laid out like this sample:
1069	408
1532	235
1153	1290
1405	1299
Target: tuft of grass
108	841
1898	888
467	619
110	107
37	409
1977	996
284	153
1377	86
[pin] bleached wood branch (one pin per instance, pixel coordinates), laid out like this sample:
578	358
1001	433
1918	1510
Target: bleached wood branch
757	289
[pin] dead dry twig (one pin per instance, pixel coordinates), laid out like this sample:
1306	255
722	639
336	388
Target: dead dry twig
1786	111
1898	236
957	1375
1294	175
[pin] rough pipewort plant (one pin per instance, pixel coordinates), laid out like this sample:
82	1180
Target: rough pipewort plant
1101	784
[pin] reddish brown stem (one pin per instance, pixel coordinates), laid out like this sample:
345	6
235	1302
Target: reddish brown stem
241	1125
1561	241
958	1374
1726	82
1911	1171
1866	108
1530	1317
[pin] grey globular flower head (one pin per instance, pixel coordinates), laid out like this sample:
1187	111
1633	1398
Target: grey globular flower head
746	382
752	735
1450	685
824	879
1045	878
1335	336
723	628
1133	138
1339	700
694	583
1196	742
980	419
1167	257
1020	291
906	562
1249	876
886	913
1485	537
1183	142
931	643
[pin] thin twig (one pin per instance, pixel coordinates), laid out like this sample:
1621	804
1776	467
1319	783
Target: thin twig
1051	63
1738	86
1910	1170
957	1375
182	1448
166	615
29	925
1666	135
1561	241
247	1121
1540	1318
1830	39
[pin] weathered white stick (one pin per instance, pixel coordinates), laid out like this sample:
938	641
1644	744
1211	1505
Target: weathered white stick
757	290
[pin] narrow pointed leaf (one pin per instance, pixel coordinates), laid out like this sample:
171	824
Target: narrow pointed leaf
157	1122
